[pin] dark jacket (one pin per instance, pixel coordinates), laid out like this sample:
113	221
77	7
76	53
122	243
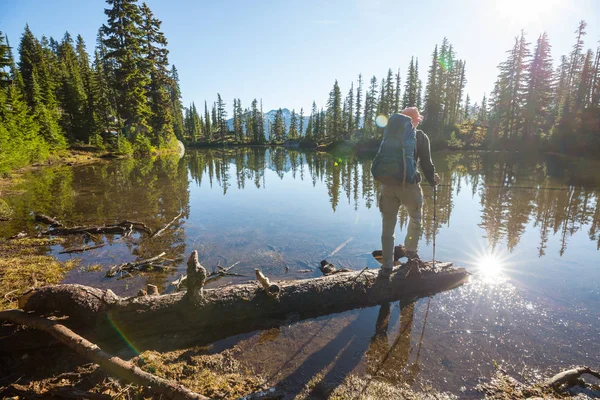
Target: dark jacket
424	158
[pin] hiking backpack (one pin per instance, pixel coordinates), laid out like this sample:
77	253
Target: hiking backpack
395	162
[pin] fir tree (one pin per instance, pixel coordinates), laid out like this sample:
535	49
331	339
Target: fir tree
334	113
176	105
370	109
301	129
154	47
123	39
207	124
293	132
358	103
221	116
350	109
396	107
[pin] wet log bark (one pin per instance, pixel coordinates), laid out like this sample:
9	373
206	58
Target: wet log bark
213	310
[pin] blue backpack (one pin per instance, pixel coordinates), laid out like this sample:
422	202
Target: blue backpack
395	162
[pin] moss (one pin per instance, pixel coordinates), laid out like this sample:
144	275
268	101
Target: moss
24	264
214	375
5	211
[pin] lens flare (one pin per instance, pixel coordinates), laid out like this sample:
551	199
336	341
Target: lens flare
381	121
490	265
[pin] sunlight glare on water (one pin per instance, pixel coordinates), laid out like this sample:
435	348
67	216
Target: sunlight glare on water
490	266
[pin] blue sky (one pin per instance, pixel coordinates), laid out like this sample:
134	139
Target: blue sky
289	53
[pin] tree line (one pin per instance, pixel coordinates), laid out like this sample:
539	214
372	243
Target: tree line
532	104
124	96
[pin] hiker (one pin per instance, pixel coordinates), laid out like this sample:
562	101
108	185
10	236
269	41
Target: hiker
395	166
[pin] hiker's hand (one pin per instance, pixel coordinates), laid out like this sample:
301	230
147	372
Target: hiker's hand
436	179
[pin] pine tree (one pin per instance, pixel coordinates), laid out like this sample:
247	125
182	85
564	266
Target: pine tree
390	97
467	111
5	62
237	120
154	48
101	95
301	129
207	124
433	104
221	116
334	113
358	103
278	127
293	132
370	105
350	109
176	105
538	99
396	108
123	40
73	100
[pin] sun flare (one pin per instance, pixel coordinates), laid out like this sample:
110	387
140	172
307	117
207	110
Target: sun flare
490	265
526	14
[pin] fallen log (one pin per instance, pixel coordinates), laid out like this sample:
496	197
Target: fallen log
243	307
114	365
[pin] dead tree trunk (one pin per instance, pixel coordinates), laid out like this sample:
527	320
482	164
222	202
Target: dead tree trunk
244	306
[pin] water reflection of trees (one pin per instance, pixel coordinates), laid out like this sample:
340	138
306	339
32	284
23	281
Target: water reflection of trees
149	190
554	195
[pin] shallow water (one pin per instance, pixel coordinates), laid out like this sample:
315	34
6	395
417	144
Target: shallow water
527	227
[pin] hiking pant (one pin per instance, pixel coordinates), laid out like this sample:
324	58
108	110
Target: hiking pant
392	196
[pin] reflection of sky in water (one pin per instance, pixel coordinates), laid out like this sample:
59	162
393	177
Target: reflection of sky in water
518	308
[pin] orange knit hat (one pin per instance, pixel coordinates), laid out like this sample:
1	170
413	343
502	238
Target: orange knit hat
413	113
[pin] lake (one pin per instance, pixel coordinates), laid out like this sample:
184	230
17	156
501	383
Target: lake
527	228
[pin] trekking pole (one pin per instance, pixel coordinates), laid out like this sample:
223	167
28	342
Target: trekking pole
434	220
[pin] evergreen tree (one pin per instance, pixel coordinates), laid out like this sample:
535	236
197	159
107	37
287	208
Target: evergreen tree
278	127
73	100
221	116
334	113
433	105
293	132
176	105
301	129
350	109
207	124
390	97
370	109
396	107
467	111
156	65
123	40
538	98
358	103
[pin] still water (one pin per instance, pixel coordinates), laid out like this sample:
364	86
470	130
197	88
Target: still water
527	227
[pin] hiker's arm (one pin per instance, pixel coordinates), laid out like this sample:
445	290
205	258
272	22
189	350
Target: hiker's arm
424	153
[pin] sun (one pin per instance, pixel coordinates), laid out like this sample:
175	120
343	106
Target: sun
490	265
526	14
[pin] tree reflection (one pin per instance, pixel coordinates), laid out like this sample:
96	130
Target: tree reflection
514	192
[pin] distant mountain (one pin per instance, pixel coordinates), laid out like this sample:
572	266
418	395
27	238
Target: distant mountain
270	118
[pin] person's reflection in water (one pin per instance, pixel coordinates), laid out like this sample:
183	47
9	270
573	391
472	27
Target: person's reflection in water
385	361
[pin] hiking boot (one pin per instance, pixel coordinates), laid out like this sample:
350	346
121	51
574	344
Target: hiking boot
412	255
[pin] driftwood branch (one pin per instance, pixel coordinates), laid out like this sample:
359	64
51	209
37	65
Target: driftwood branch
161	231
569	377
272	289
81	249
114	270
114	365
